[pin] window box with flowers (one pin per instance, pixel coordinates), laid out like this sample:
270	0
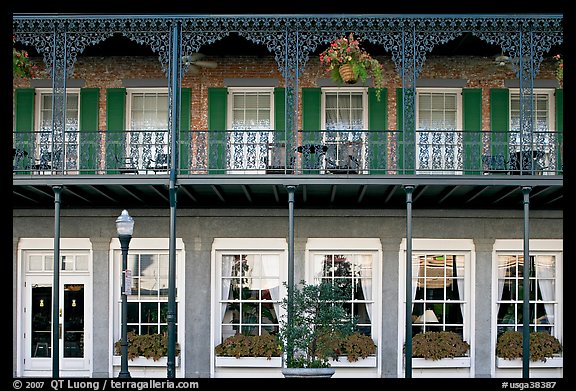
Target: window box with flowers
545	350
345	62
249	351
440	349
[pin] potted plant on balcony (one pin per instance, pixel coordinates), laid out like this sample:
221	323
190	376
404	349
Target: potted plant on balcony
347	63
22	66
318	323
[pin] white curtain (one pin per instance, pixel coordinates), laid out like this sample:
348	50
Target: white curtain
366	282
502	268
270	280
546	272
459	261
417	261
227	261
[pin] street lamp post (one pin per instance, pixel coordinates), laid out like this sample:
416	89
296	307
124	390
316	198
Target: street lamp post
125	228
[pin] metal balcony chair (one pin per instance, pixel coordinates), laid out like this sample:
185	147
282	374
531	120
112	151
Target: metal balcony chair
46	161
343	162
126	165
161	163
276	162
494	164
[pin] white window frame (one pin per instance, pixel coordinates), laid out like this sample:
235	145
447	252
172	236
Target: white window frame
143	246
261	151
350	137
70	163
455	246
240	245
553	247
370	246
541	137
150	151
432	150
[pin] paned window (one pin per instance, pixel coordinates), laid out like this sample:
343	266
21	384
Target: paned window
439	146
538	146
251	122
148	297
345	122
250	288
542	285
147	139
438	294
352	272
54	158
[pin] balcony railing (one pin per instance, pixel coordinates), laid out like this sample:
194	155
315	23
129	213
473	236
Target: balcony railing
228	152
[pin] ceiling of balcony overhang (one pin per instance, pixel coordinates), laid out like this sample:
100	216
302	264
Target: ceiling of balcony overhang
336	192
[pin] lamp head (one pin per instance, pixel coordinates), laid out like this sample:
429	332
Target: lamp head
125	224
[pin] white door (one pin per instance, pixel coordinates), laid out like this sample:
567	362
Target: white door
73	331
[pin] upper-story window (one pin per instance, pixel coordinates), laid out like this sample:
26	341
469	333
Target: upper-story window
147	140
250	120
438	116
48	157
538	146
345	121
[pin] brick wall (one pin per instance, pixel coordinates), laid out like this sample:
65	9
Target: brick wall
108	72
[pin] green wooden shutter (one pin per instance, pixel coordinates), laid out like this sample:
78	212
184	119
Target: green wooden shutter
217	110
377	138
185	131
560	129
311	126
88	130
23	128
499	122
115	127
472	126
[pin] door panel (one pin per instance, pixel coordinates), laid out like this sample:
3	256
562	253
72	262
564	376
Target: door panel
71	319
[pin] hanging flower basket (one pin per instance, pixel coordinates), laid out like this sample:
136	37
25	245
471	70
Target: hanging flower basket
345	62
347	74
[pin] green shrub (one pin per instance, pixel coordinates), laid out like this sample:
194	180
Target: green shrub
435	345
152	346
542	345
241	345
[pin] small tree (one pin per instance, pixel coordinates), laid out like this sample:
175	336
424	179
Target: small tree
318	319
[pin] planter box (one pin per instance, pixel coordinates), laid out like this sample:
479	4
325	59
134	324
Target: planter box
368	362
144	362
456	362
554	362
273	362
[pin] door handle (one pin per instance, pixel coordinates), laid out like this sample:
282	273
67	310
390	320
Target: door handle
59	330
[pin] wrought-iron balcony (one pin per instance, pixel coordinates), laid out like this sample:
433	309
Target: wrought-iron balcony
232	152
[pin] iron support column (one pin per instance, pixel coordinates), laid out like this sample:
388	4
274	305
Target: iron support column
526	286
175	76
291	190
56	286
408	292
